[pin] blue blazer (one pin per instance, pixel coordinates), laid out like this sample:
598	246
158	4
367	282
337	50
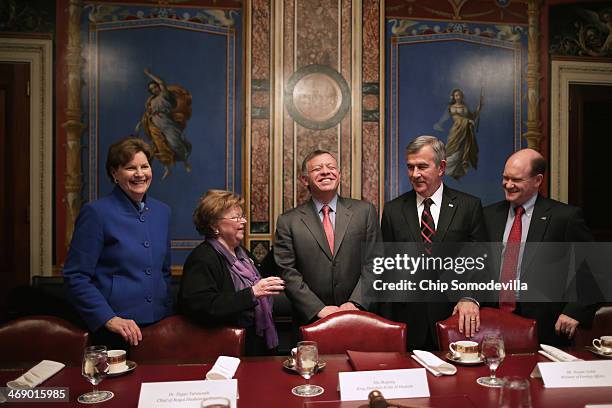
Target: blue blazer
118	263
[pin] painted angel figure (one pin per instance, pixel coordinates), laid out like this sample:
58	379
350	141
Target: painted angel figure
461	144
167	111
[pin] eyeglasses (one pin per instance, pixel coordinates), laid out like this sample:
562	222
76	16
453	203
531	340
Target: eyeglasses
237	218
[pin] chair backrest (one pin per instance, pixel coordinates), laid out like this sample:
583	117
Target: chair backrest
34	338
355	330
175	339
520	334
602	326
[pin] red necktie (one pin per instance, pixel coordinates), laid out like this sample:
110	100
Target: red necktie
327	226
428	225
507	298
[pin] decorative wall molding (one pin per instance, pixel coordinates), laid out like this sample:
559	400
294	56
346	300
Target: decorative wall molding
74	126
563	74
533	135
38	53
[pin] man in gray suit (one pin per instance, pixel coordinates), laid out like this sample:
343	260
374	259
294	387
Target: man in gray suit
323	245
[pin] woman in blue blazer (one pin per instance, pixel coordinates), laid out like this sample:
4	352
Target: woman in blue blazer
117	272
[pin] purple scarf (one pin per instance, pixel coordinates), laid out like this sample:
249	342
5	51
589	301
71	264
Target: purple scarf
244	275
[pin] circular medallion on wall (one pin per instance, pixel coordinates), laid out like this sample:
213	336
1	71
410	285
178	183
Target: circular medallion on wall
317	97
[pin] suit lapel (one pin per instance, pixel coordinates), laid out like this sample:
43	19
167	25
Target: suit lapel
311	220
343	217
537	228
497	226
447	212
409	211
498	222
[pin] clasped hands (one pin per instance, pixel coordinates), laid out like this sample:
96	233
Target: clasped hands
327	310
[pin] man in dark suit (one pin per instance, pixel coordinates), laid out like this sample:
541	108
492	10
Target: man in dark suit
533	218
456	216
322	247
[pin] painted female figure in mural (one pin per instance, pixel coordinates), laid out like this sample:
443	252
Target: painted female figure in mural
461	144
167	111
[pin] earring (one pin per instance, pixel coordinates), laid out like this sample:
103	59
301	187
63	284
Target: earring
115	180
216	231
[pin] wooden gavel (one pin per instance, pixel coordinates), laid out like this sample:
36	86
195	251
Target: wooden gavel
376	400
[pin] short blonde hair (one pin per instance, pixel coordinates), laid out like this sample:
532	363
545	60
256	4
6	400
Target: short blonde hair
210	208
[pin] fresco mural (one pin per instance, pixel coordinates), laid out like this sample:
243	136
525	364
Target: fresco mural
172	76
581	31
167	111
463	83
461	143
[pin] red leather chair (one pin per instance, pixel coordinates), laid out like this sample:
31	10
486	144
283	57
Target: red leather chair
175	339
520	334
602	326
355	330
34	338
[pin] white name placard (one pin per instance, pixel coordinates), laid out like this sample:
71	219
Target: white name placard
185	393
577	374
404	383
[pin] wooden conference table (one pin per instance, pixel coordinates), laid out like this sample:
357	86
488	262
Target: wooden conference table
263	382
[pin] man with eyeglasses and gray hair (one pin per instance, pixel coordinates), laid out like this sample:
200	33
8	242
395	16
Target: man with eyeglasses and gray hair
321	246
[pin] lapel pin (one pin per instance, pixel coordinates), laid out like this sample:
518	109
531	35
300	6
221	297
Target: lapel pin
451	205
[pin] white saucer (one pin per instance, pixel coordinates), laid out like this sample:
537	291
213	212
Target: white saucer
597	352
130	367
450	357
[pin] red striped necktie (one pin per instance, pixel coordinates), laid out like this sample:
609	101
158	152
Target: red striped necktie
428	225
507	298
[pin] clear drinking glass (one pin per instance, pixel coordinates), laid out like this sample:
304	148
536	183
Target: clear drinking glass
94	369
515	393
306	361
493	353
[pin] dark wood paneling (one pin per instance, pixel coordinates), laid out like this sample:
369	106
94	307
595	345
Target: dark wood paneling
590	143
14	178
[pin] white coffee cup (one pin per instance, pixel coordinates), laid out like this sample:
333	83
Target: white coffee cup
117	361
603	344
465	350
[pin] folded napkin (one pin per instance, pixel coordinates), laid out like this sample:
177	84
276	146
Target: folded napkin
555	354
433	364
224	369
36	375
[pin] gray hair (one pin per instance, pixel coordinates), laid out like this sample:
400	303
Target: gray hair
311	156
436	145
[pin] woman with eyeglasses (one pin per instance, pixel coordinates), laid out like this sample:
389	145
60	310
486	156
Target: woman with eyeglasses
221	284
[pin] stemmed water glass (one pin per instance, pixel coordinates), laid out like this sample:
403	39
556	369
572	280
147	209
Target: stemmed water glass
306	361
493	353
94	369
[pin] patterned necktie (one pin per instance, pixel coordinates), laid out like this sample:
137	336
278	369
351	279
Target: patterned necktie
327	226
507	298
428	226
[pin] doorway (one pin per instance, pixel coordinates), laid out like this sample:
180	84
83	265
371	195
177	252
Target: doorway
14	178
590	144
